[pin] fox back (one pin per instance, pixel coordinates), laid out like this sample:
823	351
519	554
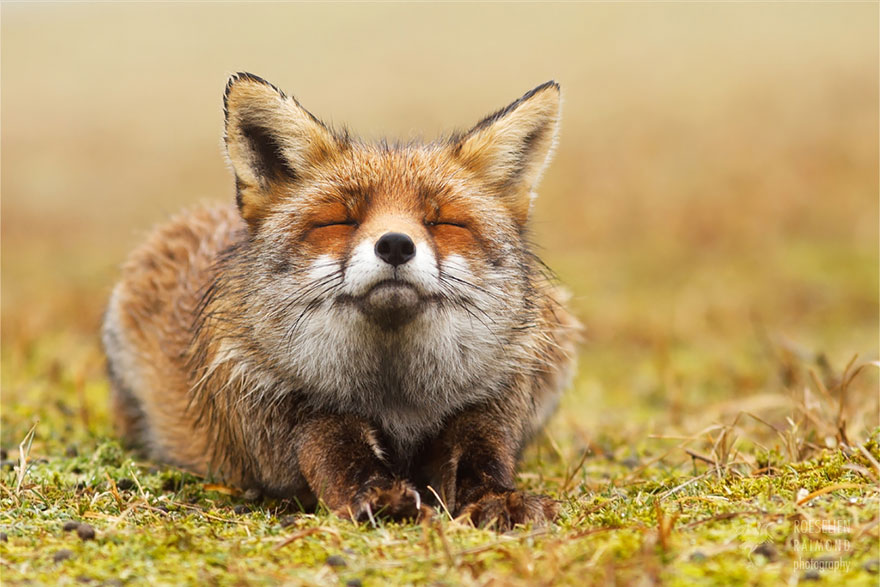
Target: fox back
375	305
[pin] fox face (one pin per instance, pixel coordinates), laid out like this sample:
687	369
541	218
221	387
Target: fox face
396	280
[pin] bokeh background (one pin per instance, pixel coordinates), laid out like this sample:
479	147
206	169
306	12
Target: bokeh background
713	204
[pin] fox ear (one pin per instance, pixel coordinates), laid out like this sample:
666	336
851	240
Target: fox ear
509	149
271	140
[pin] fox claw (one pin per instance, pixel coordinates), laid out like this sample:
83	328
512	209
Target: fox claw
505	510
398	502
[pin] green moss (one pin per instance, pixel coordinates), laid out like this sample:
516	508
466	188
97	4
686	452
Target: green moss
168	519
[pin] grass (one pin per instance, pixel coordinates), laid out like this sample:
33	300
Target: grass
712	206
742	500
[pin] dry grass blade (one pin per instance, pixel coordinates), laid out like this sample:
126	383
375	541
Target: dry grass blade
665	525
828	489
700	457
681	486
444	542
297	536
113	489
441	501
723	446
570	473
870	458
24	451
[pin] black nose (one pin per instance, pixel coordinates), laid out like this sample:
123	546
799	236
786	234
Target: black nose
395	248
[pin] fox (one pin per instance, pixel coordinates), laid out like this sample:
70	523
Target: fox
367	328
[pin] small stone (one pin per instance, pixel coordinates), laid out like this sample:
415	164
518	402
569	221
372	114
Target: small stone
125	484
241	509
354	583
811	575
872	566
767	550
71	451
335	560
630	462
63	407
287	521
62	555
85	532
70	526
698	556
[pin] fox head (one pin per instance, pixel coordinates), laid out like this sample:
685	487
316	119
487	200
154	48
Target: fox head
399	266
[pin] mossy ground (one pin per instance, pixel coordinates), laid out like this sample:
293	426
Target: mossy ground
736	501
712	206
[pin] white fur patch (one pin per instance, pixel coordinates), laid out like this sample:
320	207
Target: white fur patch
365	269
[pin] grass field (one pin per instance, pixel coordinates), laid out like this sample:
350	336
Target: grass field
713	207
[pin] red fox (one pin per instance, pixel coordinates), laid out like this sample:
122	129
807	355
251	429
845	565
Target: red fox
367	322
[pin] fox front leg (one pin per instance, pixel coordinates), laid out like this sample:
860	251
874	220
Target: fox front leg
343	464
475	459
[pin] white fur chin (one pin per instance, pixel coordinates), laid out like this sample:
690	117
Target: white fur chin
390	298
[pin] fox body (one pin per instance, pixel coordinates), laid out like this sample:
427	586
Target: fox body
367	321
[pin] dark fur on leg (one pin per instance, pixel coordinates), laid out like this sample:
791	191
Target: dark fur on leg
475	458
343	465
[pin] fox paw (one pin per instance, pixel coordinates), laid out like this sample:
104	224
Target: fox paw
505	510
399	501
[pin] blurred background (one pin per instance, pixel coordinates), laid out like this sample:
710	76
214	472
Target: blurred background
713	204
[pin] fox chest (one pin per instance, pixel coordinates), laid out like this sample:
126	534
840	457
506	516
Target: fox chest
407	383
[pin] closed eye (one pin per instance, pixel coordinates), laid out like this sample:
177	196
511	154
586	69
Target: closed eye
445	223
339	223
